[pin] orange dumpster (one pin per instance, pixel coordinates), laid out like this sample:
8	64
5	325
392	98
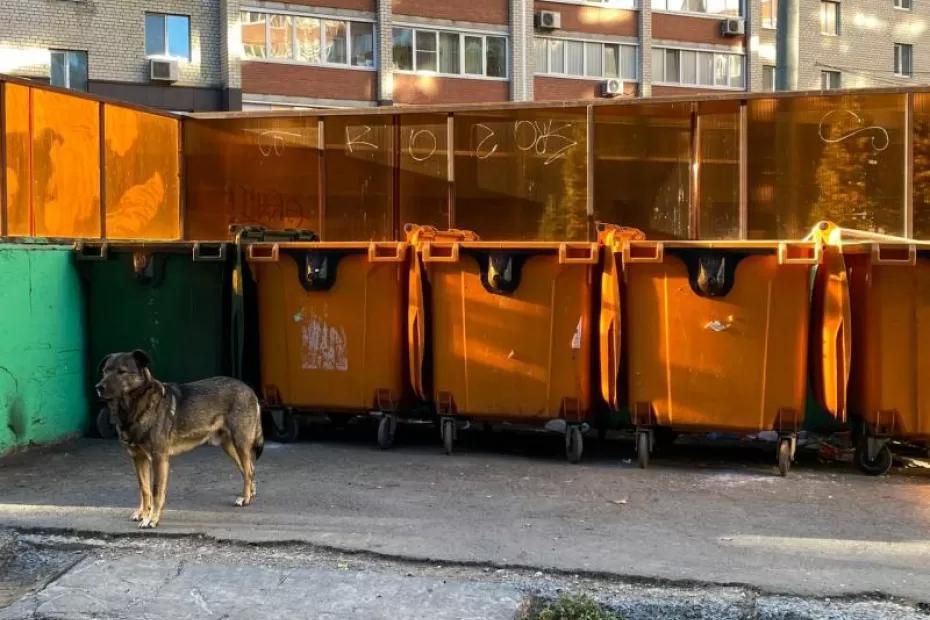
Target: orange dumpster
331	328
510	327
716	335
889	392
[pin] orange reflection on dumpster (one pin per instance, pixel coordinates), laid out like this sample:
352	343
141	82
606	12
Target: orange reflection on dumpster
141	160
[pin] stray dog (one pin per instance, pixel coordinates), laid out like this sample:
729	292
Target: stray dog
157	420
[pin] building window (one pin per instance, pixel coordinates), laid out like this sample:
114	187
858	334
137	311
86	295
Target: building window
585	59
769	13
168	35
613	4
830	80
830	18
903	60
68	69
903	4
449	53
310	40
730	8
768	78
698	68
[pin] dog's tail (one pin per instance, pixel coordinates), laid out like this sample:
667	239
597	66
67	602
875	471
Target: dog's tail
258	446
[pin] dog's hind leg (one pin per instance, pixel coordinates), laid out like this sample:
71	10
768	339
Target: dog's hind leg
160	467
144	475
248	475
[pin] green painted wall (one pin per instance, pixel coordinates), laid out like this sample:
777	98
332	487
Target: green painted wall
43	396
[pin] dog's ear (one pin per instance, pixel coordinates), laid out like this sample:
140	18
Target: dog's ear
103	362
142	359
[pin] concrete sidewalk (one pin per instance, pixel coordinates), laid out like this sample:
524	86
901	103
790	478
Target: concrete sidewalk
690	518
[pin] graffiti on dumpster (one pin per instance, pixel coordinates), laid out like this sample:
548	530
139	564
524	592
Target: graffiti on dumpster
323	346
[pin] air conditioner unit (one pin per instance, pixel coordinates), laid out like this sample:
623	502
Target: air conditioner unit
163	70
733	27
611	87
548	20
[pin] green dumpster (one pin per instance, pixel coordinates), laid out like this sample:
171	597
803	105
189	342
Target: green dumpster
171	300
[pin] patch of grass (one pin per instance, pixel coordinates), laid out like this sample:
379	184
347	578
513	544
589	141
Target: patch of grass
566	607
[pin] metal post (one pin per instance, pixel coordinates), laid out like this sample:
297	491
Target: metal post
786	45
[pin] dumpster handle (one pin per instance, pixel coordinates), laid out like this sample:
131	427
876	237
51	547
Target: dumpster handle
785	256
578	253
198	254
643	252
390	252
91	251
440	253
880	255
263	252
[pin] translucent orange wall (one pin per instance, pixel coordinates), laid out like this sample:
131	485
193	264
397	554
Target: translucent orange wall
62	150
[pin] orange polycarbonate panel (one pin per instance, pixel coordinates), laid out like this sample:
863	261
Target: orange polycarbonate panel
718	170
66	165
839	158
522	174
889	390
359	178
141	172
332	349
921	179
731	363
536	340
642	174
251	172
18	170
424	170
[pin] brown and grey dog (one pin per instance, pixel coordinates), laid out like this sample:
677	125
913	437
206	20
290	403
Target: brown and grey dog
157	420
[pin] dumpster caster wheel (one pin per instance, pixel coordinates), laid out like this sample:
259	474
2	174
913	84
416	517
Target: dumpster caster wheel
642	449
574	444
284	426
386	428
105	426
448	435
784	457
877	466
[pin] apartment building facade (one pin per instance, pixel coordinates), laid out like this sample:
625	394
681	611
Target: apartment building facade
232	54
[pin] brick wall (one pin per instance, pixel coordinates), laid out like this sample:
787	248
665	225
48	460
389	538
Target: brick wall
548	88
691	29
427	89
112	32
478	11
593	19
307	81
680	91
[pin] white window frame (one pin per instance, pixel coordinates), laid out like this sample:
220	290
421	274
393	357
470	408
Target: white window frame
702	14
478	34
899	5
774	81
773	24
322	63
629	5
898	66
190	36
67	67
830	72
835	27
584	68
715	53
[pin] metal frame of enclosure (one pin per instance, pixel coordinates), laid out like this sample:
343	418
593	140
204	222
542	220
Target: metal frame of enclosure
725	166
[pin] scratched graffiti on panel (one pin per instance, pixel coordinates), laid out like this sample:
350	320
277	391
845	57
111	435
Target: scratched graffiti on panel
424	170
359	178
522	174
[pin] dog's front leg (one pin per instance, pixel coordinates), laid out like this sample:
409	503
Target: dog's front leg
160	469
144	475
